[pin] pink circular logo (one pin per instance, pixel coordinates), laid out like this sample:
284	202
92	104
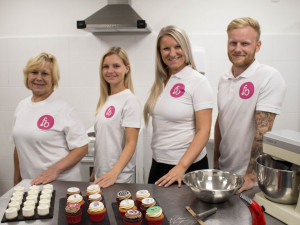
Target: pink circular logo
246	90
177	90
45	122
110	111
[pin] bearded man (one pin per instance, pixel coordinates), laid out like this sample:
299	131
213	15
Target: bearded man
250	95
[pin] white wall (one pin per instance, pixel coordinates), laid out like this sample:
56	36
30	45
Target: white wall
31	26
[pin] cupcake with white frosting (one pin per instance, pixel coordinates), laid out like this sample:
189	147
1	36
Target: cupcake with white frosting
28	211
96	211
140	195
94	198
34	187
16	199
43	210
45	202
48	186
11	213
14	204
32	197
125	205
45	196
76	199
93	189
29	203
73	191
19	188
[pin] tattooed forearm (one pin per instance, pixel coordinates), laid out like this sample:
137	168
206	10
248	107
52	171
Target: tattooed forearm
264	123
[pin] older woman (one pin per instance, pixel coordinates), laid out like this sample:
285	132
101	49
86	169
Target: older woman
48	135
180	104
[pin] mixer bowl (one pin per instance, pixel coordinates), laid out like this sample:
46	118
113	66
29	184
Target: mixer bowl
278	180
213	186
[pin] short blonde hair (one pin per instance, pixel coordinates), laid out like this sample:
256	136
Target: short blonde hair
244	22
37	62
104	86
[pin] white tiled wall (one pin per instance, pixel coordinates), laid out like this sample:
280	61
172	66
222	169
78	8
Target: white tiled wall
79	54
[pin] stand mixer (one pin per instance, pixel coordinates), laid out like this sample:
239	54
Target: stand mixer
282	145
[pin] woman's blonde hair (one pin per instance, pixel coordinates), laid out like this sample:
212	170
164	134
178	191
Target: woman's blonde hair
38	61
161	69
104	86
244	22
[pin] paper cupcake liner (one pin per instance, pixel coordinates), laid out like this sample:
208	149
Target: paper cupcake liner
154	221
97	217
74	219
136	223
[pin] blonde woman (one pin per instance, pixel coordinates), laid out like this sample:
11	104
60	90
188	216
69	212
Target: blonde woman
117	123
49	138
180	104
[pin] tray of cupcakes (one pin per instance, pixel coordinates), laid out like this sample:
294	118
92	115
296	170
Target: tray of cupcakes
86	209
144	210
36	203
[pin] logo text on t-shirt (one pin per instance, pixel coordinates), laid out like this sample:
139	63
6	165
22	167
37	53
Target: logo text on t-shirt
246	90
45	122
177	90
110	111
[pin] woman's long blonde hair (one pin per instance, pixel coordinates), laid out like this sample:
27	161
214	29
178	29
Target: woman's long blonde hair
161	69
104	86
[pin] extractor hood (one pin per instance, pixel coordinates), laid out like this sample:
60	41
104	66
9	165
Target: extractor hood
116	16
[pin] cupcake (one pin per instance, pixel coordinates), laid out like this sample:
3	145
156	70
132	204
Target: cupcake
45	196
34	187
147	203
18	193
73	191
14	204
32	197
154	215
19	188
33	192
45	202
28	211
11	213
125	205
121	195
48	186
47	191
96	211
132	217
93	189
43	210
140	195
94	198
76	199
16	199
73	213
29	202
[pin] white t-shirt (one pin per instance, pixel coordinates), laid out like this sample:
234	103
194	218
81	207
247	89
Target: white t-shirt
121	110
173	118
261	88
44	133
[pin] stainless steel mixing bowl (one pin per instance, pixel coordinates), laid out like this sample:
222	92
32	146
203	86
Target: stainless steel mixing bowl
278	180
213	186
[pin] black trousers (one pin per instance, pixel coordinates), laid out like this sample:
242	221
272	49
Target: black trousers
160	169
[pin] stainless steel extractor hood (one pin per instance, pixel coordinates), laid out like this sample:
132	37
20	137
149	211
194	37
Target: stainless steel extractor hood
116	16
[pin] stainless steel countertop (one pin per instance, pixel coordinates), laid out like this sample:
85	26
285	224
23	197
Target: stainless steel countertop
172	200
